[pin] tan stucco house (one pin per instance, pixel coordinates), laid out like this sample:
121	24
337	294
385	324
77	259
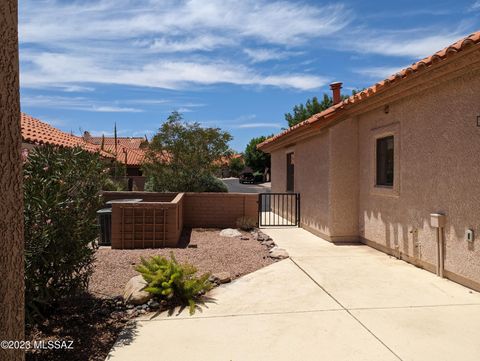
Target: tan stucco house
375	166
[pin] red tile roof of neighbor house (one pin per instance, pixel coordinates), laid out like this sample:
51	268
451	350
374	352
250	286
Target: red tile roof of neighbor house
471	40
134	156
130	142
129	146
37	132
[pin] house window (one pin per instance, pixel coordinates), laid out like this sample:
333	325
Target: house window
385	161
290	172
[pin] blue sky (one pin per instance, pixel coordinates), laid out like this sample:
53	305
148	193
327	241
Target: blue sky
237	65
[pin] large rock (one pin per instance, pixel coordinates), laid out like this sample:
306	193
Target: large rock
278	253
230	232
261	237
268	243
134	292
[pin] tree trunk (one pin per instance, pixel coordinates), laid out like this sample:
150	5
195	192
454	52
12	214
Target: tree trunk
11	192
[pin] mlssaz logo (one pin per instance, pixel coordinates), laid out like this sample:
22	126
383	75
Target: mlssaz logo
53	345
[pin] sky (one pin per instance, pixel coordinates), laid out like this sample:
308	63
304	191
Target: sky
236	65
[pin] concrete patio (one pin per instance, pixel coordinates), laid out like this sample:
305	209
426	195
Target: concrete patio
326	302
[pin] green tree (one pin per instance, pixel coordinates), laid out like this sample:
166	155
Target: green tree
255	158
312	106
182	157
236	165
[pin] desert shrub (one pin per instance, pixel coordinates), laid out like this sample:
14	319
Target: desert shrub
61	195
202	183
212	184
246	223
169	280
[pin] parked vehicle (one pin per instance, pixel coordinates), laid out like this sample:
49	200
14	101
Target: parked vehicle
247	177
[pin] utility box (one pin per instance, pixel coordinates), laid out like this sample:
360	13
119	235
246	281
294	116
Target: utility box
104	217
437	220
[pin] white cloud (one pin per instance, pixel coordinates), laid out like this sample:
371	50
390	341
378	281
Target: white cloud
45	20
75	103
379	72
47	69
475	5
263	54
204	43
112	109
258	125
72	46
404	43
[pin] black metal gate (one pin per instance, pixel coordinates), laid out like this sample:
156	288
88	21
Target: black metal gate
278	209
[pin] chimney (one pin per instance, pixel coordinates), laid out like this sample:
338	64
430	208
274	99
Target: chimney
337	98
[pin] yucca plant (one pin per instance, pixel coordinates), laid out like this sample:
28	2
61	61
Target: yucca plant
169	280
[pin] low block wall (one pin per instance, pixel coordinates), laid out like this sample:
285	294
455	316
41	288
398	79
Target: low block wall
146	196
158	220
147	224
219	209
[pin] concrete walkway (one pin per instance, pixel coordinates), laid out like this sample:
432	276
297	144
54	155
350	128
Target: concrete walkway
327	302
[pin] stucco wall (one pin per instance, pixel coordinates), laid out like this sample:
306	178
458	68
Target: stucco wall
438	160
343	182
279	171
311	180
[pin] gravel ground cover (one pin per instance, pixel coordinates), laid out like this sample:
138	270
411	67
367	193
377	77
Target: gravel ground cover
204	248
94	320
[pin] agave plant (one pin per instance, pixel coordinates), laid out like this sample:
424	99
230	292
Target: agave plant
169	280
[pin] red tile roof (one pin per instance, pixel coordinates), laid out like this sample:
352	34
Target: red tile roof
133	142
37	132
135	157
471	40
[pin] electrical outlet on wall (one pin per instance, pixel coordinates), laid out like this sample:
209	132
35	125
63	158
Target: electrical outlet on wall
469	236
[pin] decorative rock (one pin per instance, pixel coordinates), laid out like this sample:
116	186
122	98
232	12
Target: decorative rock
230	232
244	238
278	253
268	243
153	304
134	293
261	237
221	277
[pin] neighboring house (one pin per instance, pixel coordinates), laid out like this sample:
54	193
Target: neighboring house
373	167
128	151
36	132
